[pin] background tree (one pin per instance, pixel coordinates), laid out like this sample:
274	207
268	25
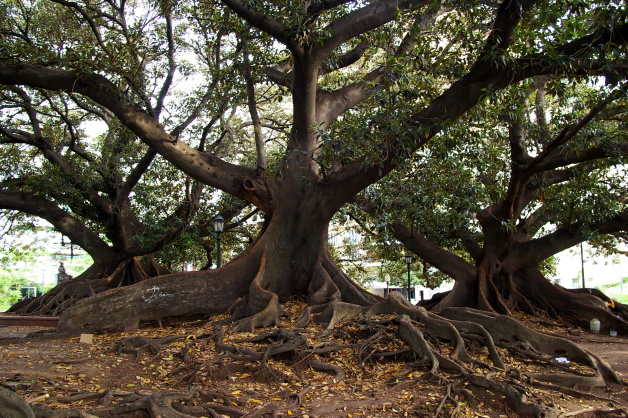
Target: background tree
492	213
70	162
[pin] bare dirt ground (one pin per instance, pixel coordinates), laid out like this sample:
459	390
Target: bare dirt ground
64	373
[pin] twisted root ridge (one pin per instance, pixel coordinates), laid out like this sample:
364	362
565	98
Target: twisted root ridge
466	349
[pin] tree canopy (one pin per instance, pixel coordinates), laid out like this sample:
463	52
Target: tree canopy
370	84
519	191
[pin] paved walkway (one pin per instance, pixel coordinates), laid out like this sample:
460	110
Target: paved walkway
615	352
13	331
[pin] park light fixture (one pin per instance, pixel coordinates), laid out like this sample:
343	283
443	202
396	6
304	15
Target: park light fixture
63	244
219	225
408	258
387	280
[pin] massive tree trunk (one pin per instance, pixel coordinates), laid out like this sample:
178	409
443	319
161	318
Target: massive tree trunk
299	198
527	289
290	258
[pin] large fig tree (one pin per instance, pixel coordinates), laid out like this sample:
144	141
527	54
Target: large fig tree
370	83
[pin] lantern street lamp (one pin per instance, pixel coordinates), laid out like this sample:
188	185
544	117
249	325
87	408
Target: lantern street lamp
219	224
63	244
387	280
408	258
582	265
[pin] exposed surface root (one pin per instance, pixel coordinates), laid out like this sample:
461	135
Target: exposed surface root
467	333
60	298
136	345
156	404
387	359
260	308
593	412
527	290
511	331
13	405
576	306
616	307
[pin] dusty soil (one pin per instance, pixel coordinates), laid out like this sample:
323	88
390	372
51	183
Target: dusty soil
64	373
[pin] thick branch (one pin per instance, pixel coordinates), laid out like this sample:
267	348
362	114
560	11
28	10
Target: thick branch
318	7
564	238
361	21
580	51
568	157
471	245
205	168
250	93
346	59
447	262
517	139
86	16
508	17
534	222
135	176
172	66
259	20
60	219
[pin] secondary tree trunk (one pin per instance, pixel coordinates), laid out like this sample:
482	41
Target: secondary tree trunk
497	289
506	277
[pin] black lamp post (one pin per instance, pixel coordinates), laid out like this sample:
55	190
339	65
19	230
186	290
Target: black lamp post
408	257
63	244
219	224
582	265
387	280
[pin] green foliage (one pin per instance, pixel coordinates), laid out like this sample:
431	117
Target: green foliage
549	267
468	167
25	245
9	296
